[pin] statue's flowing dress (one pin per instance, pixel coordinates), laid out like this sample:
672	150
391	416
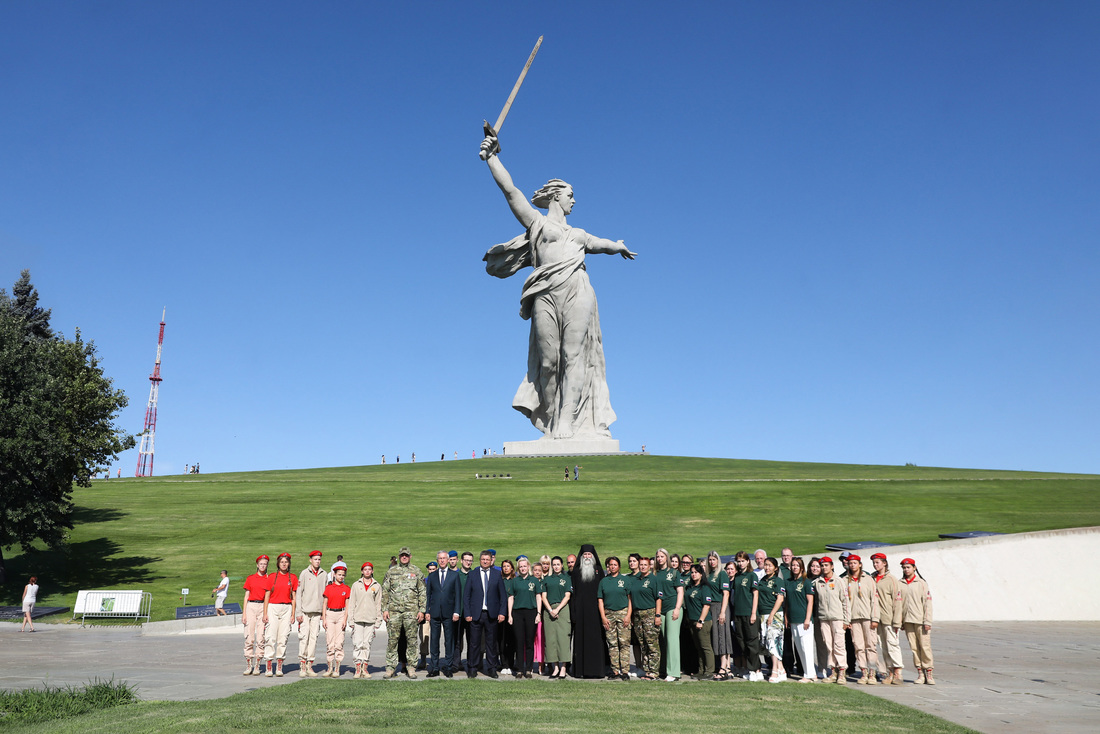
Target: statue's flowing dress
563	286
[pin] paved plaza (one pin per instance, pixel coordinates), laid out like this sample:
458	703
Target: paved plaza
993	677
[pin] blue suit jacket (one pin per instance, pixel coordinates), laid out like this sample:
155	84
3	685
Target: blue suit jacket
496	598
443	601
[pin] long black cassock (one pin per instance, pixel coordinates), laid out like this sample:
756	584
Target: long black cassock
590	658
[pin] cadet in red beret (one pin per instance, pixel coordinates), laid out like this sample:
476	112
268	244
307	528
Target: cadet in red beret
311	588
256	588
279	613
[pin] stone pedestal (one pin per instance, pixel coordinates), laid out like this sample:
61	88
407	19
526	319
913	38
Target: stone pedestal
562	447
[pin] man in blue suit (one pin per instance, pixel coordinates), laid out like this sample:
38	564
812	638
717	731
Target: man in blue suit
485	603
443	608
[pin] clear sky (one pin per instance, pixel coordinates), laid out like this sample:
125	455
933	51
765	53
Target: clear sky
867	232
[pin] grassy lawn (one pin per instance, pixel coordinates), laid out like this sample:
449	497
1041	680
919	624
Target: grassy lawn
162	534
533	706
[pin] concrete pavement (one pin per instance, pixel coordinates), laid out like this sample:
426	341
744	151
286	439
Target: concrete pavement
993	677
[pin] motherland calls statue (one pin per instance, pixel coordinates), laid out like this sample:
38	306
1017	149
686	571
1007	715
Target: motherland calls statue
565	391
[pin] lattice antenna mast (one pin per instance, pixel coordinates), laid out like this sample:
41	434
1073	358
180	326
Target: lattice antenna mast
145	452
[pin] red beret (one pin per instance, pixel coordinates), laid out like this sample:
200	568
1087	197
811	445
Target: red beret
368	563
854	557
879	555
315	553
908	562
287	555
262	558
826	559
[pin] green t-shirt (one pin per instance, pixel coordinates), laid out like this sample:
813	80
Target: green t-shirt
668	581
556	587
769	590
798	591
643	592
741	593
695	598
525	591
784	572
718	583
615	592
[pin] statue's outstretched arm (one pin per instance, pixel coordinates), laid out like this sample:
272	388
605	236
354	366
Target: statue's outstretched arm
517	202
608	247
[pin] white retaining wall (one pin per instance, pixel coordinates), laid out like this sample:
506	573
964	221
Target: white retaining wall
1041	576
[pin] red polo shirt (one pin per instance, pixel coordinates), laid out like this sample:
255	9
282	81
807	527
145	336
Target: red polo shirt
282	584
257	586
336	596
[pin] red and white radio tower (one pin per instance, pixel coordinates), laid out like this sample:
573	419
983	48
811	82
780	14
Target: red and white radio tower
145	452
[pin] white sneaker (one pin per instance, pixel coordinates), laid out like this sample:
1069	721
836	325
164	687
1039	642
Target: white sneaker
756	676
633	674
670	679
506	671
781	678
747	676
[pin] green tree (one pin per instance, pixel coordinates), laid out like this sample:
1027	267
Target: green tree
57	412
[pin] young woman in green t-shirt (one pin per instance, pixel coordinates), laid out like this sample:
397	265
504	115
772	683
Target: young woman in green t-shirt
697	599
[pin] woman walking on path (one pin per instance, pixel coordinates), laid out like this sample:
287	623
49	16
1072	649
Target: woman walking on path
720	638
916	618
800	618
30	597
697	601
770	593
863	598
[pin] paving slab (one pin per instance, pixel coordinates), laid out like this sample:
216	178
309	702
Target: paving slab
993	677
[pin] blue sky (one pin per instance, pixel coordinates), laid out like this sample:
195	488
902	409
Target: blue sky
868	232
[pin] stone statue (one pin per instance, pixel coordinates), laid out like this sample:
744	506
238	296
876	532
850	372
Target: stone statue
565	391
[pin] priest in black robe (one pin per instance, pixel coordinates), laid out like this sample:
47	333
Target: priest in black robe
590	658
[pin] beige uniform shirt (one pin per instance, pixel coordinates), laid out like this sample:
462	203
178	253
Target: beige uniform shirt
916	602
889	600
862	597
366	603
311	591
831	599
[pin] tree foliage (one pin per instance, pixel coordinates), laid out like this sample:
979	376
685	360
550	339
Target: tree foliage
57	412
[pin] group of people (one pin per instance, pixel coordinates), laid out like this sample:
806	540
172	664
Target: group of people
753	617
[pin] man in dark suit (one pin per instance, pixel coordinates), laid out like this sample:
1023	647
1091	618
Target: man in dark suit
484	603
443	614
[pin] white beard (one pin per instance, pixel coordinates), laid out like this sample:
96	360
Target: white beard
588	569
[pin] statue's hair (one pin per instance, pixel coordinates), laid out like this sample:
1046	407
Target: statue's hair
548	193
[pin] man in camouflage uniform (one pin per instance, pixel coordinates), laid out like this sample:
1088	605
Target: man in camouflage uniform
646	618
404	600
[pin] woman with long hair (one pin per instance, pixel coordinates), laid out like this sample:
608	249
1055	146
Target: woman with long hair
746	622
30	598
821	651
557	588
800	618
279	608
720	639
507	641
689	660
540	642
770	592
671	592
916	618
863	598
697	601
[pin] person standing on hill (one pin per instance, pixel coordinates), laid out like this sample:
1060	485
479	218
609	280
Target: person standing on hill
916	617
888	590
404	600
311	591
254	616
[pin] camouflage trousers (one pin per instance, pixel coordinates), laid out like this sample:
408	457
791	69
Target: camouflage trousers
399	621
618	641
649	641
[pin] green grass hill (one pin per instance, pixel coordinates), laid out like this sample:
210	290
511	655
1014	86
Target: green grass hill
165	533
